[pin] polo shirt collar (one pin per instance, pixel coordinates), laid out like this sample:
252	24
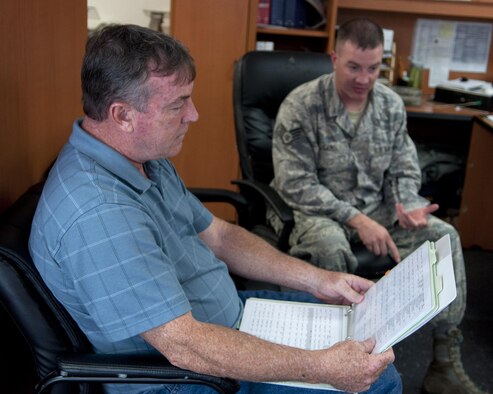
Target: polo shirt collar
107	157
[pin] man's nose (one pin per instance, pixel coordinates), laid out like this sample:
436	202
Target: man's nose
192	114
363	77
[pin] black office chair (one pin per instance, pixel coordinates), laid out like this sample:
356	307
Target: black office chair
261	82
63	358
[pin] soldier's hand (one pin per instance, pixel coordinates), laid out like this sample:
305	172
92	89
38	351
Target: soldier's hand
374	236
415	218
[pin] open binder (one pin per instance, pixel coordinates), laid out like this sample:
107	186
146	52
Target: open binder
406	298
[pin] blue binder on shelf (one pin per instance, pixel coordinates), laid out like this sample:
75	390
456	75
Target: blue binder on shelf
277	12
295	13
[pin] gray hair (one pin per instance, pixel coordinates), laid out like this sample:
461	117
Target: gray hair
118	61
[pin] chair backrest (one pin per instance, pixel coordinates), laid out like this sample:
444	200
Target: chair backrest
262	80
44	323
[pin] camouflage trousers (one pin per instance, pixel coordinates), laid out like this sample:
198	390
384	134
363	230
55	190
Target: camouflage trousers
326	244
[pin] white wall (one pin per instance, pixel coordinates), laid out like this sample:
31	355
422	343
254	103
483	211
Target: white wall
126	11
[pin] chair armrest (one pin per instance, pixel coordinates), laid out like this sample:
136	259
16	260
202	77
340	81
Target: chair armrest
238	201
270	197
121	368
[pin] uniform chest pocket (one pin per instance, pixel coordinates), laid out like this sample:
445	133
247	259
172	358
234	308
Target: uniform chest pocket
334	158
380	157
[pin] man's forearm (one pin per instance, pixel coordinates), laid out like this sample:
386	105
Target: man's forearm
251	257
221	351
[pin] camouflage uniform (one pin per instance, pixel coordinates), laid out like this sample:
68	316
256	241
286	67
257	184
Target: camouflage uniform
328	171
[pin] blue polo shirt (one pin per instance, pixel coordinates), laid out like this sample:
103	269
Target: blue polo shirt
122	252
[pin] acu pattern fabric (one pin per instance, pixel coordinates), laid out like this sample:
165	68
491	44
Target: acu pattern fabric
329	170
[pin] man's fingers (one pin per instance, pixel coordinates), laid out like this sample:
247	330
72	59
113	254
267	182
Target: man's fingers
394	251
351	295
432	208
411	222
388	356
368	344
404	219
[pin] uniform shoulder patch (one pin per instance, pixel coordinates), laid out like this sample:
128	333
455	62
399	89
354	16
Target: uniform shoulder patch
288	136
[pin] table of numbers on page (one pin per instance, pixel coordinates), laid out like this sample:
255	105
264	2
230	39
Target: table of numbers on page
299	325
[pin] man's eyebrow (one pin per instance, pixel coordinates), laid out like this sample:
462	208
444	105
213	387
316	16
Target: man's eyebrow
179	99
351	63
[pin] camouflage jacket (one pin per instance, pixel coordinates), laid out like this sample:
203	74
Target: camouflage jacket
325	166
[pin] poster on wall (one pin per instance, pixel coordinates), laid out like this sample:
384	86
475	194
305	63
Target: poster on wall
443	45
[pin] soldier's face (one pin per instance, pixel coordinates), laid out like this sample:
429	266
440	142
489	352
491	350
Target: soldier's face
356	71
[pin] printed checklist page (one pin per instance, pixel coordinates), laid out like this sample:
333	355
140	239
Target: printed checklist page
398	302
298	324
302	325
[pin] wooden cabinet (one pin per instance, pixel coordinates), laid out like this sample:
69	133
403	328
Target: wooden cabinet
476	211
215	31
41	50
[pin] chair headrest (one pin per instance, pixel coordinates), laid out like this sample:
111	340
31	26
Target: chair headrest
267	77
261	82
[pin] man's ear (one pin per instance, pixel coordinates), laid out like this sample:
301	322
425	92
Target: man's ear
333	57
122	115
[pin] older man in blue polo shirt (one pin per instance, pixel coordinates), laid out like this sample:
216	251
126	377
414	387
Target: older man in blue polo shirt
142	266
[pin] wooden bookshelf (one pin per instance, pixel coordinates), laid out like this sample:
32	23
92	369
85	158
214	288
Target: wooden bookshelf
318	40
436	8
285	31
401	16
398	15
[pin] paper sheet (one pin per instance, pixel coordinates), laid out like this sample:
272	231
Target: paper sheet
311	327
301	325
403	296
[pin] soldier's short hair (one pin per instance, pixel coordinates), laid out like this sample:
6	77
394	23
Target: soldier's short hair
362	32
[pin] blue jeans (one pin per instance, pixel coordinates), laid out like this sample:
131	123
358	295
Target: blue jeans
388	383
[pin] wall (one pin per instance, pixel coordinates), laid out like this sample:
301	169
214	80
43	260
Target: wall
41	50
125	11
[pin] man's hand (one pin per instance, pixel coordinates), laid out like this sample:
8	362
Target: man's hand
340	287
352	367
416	218
374	236
222	351
251	257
